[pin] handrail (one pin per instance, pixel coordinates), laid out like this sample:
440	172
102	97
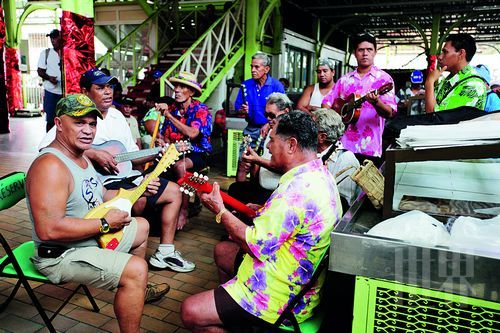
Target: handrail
221	46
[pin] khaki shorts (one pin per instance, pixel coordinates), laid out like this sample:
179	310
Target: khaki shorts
92	266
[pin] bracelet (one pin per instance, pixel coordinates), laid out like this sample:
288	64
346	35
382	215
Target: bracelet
218	217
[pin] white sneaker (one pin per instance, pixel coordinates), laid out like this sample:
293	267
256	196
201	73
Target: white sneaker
174	261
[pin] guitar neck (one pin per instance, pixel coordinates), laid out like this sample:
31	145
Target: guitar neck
237	205
130	156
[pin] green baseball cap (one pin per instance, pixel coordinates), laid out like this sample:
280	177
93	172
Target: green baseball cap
76	105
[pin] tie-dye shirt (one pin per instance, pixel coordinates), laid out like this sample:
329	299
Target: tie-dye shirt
365	136
196	115
290	234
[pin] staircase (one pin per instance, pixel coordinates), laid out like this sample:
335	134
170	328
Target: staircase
142	88
209	57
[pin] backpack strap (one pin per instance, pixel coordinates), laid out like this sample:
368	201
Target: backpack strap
47	51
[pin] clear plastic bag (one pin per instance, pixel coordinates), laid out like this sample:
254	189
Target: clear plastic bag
473	235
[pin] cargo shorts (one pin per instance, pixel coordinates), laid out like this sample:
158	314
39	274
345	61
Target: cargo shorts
92	266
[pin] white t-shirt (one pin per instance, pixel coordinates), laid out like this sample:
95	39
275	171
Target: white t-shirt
113	127
52	68
268	179
134	127
337	163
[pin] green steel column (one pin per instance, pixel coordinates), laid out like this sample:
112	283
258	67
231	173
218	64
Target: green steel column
277	28
434	45
81	7
251	24
10	23
317	38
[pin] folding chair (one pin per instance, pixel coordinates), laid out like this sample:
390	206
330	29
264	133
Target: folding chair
313	324
17	264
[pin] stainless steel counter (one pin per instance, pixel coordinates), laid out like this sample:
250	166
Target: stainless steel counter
436	268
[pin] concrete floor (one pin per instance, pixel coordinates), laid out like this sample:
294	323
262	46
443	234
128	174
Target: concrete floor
17	150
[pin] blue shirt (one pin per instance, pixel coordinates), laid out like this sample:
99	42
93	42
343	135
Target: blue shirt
492	102
256	98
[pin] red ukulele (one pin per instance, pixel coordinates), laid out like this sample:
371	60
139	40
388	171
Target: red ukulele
194	182
350	108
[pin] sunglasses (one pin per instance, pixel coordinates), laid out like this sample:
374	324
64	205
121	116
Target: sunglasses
270	115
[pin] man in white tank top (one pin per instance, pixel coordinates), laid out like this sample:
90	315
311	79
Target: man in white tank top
313	94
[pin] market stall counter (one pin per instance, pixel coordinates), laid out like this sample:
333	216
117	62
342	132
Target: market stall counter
406	286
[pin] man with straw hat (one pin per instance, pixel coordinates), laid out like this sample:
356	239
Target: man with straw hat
185	119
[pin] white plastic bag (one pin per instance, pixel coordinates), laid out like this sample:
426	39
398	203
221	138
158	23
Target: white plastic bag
473	235
413	227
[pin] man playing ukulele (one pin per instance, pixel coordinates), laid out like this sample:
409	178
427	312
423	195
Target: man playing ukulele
364	137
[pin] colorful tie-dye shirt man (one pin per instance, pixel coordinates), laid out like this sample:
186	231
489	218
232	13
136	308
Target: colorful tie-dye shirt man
198	116
290	234
364	136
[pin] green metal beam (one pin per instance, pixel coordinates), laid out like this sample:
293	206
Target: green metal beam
30	8
230	63
145	7
251	28
265	16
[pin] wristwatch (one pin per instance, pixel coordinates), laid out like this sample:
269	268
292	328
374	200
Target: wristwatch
218	217
104	228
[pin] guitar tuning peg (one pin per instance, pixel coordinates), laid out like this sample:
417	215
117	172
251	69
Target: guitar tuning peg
191	194
195	174
205	178
181	189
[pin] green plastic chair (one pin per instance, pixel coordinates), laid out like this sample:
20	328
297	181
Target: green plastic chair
313	324
17	264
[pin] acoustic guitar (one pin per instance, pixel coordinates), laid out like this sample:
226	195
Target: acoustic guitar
125	199
124	158
350	108
194	182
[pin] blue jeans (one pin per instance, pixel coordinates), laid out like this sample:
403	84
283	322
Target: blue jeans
49	107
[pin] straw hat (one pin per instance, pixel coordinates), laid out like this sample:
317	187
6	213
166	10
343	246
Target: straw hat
187	79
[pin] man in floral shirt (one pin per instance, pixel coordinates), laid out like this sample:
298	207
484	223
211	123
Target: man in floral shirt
283	248
364	137
464	86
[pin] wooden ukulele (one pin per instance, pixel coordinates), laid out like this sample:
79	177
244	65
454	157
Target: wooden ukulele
194	182
350	108
125	199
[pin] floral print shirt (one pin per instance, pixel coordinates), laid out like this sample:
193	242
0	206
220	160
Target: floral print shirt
465	88
364	136
290	234
196	115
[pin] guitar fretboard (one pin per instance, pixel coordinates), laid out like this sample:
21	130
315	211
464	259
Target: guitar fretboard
129	156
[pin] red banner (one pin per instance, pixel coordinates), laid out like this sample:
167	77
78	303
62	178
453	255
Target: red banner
78	49
13	80
4	116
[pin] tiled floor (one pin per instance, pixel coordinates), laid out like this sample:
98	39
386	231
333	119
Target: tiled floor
196	242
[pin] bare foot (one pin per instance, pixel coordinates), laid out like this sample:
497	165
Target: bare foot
182	221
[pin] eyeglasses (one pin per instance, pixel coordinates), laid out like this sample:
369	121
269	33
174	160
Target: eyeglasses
270	115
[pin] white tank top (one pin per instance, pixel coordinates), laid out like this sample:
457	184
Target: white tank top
316	97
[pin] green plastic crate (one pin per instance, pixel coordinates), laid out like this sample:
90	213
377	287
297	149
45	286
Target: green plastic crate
384	306
234	139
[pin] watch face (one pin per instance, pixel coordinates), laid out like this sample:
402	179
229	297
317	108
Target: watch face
104	226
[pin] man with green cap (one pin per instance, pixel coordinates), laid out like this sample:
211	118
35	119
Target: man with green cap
62	186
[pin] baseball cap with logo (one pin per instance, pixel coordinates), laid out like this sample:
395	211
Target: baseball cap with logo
96	76
76	105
